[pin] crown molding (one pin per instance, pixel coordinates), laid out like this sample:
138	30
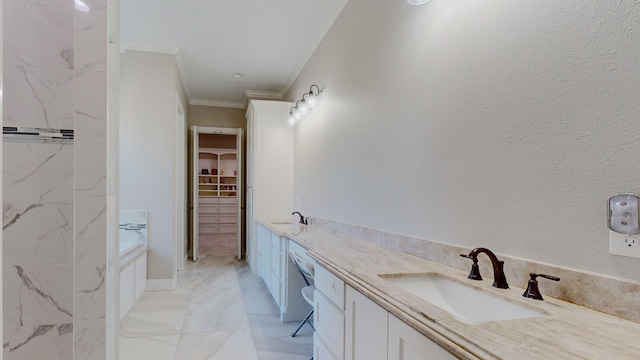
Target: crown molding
217	103
272	95
263	95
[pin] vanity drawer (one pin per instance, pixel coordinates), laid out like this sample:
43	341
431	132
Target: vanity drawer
330	285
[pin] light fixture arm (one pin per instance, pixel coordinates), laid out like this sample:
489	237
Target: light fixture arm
311	89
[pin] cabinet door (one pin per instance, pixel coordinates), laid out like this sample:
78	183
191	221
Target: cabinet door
264	250
328	321
405	343
320	350
365	328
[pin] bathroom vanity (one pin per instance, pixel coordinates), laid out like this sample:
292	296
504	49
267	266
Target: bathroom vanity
361	313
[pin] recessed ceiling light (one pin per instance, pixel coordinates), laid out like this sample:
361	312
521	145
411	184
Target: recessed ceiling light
237	75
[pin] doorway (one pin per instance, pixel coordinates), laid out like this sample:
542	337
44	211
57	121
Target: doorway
216	180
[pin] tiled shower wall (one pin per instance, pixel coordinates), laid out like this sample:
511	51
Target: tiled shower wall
57	257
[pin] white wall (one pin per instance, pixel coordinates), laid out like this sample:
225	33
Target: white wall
149	82
497	123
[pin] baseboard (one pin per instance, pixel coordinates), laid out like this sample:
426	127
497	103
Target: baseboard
162	284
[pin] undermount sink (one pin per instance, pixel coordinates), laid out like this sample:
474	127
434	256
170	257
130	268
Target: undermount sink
465	302
283	222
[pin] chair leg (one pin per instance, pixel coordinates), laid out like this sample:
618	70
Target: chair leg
306	319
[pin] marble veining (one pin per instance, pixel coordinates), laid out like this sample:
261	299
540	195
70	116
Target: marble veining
90	259
91	133
38	35
60	259
27	342
37	234
36	173
37	295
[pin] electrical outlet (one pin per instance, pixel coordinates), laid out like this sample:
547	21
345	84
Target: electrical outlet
624	245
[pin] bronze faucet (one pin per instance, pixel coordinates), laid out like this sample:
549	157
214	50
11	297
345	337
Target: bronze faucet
303	221
499	279
532	286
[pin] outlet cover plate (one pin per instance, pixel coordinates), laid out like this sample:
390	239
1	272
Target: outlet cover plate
624	245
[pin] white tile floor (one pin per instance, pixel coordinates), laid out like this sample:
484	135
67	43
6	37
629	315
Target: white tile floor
219	311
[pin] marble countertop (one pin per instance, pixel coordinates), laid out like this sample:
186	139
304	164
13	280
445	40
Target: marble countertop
567	332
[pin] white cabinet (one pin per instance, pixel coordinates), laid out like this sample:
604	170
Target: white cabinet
269	167
282	278
277	261
133	281
365	328
263	255
328	316
371	332
405	343
271	260
321	350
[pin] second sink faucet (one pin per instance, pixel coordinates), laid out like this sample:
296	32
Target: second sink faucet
499	280
303	221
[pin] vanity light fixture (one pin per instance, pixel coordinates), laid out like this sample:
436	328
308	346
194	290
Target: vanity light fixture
417	2
309	101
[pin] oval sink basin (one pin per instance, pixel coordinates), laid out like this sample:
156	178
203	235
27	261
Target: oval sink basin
465	302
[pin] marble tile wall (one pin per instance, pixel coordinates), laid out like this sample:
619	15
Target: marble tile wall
55	194
579	287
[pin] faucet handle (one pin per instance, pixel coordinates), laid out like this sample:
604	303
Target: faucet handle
474	274
533	276
532	286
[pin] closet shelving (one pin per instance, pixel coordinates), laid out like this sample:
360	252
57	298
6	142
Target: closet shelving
217	173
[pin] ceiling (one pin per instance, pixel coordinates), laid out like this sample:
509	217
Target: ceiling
268	41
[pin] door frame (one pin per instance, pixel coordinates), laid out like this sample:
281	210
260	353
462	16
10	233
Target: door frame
195	132
180	183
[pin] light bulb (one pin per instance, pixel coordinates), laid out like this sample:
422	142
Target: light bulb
297	115
312	100
292	120
303	107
